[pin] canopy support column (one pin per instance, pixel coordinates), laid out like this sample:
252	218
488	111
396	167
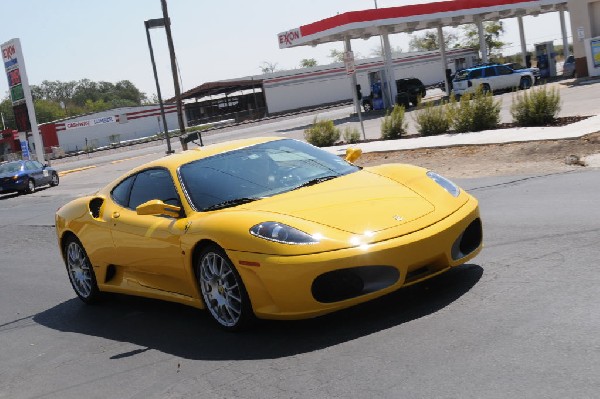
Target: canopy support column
389	69
523	44
353	83
563	28
442	46
482	45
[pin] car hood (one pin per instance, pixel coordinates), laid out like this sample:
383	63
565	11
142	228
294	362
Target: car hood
354	203
7	174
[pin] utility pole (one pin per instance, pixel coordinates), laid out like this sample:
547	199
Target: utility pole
173	67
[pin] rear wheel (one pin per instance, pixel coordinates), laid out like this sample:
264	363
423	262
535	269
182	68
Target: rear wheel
485	88
367	106
222	289
80	271
525	83
54	181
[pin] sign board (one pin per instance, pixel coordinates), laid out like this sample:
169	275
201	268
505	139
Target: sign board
595	47
287	39
24	150
90	122
580	33
20	93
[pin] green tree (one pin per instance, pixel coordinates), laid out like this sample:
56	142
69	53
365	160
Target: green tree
7	113
268	67
377	51
428	41
336	55
492	32
308	62
48	111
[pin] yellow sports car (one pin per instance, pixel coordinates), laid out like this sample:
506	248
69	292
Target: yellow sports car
269	228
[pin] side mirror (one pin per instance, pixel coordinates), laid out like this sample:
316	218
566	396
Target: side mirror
352	154
157	207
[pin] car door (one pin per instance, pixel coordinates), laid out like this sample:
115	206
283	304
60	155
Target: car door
45	174
491	79
34	171
148	247
507	77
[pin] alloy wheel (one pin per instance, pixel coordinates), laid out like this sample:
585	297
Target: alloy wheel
221	289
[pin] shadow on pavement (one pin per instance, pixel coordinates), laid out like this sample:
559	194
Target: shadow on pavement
189	333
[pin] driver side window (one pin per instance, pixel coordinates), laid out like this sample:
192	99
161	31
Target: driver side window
153	184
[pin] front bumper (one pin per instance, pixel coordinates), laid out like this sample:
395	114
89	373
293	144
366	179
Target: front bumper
287	287
10	185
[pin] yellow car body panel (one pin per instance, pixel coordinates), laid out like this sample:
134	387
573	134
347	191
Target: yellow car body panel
389	215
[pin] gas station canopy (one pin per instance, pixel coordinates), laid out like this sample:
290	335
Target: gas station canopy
374	22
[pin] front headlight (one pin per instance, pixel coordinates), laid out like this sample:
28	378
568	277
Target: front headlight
445	183
282	233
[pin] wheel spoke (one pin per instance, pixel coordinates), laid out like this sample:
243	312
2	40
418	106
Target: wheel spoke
220	289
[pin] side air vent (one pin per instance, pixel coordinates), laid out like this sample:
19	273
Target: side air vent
96	207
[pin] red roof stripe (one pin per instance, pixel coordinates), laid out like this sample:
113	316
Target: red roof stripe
401	12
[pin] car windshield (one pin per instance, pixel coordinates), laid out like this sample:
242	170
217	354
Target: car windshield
11	167
461	75
259	171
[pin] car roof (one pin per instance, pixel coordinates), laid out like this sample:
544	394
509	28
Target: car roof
184	157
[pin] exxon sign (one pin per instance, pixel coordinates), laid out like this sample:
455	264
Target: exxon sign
287	39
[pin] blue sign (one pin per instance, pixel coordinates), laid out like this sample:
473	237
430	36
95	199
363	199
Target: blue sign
25	150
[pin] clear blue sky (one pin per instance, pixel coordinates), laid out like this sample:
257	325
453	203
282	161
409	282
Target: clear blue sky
105	40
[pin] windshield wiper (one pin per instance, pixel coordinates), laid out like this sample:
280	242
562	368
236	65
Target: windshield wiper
316	180
228	203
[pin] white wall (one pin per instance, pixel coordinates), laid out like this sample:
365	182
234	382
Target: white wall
134	123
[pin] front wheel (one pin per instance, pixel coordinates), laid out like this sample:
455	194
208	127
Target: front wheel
30	189
222	289
79	268
525	83
367	106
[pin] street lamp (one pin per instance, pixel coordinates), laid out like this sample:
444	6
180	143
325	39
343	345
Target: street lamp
151	24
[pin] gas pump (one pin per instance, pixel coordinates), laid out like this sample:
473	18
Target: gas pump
546	59
379	89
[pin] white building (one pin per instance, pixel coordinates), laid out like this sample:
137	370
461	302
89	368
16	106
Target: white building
305	87
101	129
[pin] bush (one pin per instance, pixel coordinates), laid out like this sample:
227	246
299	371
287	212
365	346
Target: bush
536	107
322	133
351	135
393	125
474	112
432	120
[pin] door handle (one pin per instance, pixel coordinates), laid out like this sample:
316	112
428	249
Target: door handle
116	215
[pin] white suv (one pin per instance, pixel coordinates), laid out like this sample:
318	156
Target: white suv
491	78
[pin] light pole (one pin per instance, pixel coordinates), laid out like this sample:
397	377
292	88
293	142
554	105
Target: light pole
174	68
151	24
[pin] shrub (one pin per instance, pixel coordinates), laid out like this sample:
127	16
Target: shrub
393	125
322	133
474	112
433	120
536	107
351	135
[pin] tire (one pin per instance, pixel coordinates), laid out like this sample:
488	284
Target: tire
367	106
30	189
525	83
55	180
80	271
485	88
223	290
